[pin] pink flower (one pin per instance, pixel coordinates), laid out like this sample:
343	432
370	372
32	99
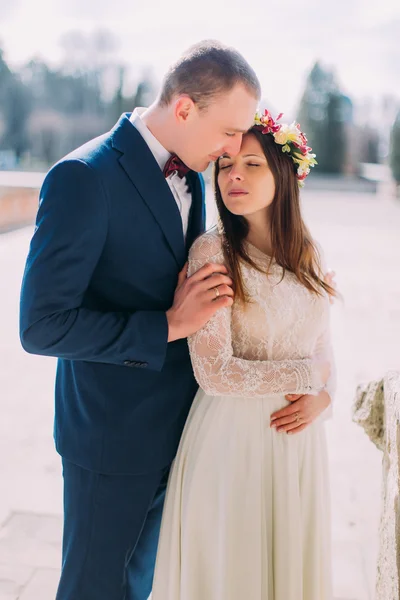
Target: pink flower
269	124
303	138
292	140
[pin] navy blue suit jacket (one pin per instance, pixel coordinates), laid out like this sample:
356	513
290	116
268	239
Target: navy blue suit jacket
101	273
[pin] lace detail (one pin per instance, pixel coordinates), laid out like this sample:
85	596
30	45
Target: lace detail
267	347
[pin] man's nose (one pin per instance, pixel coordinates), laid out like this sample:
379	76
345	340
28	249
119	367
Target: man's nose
233	148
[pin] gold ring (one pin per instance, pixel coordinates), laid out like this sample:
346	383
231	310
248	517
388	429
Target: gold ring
216	290
297	417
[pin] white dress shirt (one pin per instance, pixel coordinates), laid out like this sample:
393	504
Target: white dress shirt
178	186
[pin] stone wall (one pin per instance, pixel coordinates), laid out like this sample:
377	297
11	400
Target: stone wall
388	576
19	197
18	207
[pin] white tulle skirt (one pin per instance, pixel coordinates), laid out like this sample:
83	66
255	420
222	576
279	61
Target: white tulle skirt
247	509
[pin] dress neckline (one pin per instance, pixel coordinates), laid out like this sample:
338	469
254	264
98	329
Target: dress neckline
256	252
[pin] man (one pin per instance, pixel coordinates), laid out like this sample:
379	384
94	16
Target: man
105	290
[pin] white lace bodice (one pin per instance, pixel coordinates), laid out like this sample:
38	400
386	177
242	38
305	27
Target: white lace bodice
267	347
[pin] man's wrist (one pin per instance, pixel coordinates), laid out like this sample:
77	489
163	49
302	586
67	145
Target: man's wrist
173	330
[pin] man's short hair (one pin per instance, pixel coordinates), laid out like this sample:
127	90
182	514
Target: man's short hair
205	71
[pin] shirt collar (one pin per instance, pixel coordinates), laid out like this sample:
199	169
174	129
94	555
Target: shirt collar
159	152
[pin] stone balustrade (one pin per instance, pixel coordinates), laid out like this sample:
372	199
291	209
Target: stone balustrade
19	195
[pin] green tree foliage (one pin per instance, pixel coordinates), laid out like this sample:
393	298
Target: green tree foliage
322	114
15	108
45	112
395	150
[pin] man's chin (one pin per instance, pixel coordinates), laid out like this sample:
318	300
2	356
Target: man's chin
200	167
205	166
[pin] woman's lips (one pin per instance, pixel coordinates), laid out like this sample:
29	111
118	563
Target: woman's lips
236	193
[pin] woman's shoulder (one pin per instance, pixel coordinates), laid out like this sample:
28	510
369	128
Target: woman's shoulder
207	246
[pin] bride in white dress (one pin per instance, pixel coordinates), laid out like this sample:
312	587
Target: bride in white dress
247	508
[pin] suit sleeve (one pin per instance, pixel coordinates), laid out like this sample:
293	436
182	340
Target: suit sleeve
69	238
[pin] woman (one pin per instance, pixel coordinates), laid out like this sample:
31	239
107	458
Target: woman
247	508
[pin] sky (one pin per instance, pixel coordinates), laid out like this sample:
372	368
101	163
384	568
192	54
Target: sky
281	39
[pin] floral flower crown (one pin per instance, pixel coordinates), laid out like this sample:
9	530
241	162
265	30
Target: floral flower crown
292	140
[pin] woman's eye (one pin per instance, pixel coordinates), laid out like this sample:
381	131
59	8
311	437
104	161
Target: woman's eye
224	167
230	134
253	165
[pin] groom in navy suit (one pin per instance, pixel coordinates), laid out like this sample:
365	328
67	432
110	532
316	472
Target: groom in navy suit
105	290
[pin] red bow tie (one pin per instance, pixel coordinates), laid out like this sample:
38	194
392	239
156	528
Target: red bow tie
174	164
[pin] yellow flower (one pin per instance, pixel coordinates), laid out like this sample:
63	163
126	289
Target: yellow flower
280	137
257	119
287	133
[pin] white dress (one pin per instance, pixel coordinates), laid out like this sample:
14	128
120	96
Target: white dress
247	508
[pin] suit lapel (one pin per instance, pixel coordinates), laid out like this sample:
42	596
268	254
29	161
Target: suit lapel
142	169
197	216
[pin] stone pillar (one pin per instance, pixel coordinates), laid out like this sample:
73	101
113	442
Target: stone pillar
388	576
377	410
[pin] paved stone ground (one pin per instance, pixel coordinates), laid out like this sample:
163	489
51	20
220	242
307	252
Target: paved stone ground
361	237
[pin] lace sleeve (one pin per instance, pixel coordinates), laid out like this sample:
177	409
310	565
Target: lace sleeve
218	371
323	349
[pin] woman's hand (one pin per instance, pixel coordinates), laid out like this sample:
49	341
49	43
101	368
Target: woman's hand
302	411
329	278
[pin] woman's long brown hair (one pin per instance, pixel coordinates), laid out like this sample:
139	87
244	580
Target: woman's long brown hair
293	247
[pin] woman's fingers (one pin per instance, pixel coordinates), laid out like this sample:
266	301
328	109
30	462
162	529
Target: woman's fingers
297	429
291	409
292	426
293	397
285	421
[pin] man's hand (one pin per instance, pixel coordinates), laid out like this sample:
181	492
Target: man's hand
197	299
302	411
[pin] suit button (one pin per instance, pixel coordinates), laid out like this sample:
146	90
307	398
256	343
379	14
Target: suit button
143	365
127	363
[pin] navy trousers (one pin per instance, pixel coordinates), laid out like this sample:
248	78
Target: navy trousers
111	531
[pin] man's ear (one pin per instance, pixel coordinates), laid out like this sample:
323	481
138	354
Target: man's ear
185	108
